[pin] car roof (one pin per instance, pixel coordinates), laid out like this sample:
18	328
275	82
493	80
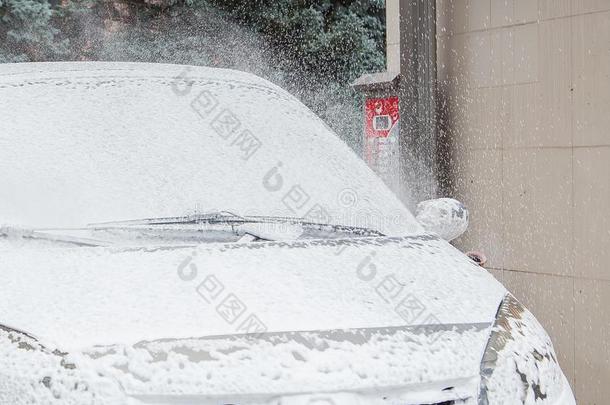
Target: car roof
102	141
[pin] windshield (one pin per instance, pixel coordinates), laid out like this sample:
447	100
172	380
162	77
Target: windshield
97	142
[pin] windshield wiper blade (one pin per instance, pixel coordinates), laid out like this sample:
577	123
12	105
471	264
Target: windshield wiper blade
213	217
231	219
221	226
226	218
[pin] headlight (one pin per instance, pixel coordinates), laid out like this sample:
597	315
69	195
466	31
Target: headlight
519	365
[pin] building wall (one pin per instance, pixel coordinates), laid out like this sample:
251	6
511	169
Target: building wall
526	84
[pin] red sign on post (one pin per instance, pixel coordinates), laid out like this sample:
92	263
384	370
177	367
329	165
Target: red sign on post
381	133
381	115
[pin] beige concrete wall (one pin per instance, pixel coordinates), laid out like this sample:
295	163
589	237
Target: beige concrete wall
527	84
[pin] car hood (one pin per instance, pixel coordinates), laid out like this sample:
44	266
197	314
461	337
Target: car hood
286	317
96	142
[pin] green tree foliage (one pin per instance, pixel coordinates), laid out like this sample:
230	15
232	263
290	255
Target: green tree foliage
27	32
335	39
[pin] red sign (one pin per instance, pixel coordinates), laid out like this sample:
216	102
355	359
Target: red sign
381	115
381	138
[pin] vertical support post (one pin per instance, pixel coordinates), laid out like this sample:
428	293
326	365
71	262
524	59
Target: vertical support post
418	138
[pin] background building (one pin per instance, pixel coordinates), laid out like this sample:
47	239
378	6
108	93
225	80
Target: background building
523	101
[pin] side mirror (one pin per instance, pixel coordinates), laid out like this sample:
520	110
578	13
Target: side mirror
446	217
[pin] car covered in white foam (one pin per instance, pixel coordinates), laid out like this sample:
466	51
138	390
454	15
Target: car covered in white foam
187	235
